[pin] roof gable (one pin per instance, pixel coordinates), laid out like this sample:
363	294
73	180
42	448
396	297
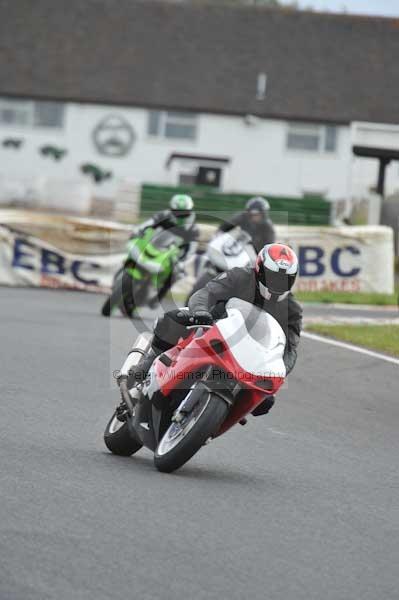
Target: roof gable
203	58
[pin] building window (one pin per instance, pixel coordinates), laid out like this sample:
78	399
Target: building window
172	125
330	142
49	114
14	112
312	138
28	113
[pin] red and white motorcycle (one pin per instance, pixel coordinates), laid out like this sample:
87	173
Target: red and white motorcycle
199	389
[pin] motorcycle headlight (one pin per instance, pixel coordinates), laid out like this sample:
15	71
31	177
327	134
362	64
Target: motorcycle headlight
152	267
135	253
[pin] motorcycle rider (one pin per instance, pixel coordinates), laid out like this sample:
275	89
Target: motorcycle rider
267	285
255	220
181	220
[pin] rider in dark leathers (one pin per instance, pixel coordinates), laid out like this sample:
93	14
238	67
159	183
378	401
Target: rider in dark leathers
241	283
248	284
255	221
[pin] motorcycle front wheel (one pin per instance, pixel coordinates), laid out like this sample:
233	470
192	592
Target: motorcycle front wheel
115	297
117	438
182	440
106	308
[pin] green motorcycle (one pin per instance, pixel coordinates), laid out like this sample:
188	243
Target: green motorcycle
149	264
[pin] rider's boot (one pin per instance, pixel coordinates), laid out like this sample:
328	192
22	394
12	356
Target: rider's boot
161	294
153	303
264	408
140	371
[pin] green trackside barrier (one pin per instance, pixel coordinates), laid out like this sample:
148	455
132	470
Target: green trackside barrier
312	210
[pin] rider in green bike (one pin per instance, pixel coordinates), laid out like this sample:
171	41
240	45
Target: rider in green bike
180	220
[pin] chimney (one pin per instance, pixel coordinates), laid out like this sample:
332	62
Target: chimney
261	86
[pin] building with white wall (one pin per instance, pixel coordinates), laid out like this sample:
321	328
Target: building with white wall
153	92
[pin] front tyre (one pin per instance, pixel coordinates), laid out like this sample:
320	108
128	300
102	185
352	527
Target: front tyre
106	308
182	440
117	438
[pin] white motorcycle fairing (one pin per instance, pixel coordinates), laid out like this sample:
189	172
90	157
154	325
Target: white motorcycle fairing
254	338
231	249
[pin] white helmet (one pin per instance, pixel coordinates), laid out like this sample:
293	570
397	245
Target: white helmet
182	207
258	209
276	270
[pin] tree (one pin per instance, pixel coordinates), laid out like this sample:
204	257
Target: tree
275	3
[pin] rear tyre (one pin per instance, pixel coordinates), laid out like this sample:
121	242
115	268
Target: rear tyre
118	440
134	294
106	309
176	448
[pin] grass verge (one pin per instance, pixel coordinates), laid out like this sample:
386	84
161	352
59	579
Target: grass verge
383	338
349	298
335	298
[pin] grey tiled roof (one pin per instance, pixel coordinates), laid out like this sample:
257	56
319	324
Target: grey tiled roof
202	58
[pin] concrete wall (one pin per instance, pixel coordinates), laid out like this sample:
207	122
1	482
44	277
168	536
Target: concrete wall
365	170
260	160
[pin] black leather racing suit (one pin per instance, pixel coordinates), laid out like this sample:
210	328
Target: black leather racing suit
166	220
241	283
261	233
236	283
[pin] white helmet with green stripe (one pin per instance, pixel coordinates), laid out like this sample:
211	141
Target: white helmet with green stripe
182	207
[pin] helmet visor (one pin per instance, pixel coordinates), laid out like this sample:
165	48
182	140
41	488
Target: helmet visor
277	282
256	216
181	214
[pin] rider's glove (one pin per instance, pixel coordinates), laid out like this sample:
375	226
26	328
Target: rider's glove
136	233
203	317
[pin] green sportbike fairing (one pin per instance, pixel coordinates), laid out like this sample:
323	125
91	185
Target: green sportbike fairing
149	264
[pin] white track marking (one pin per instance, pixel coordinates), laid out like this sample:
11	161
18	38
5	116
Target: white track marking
352	307
326	340
277	431
339	320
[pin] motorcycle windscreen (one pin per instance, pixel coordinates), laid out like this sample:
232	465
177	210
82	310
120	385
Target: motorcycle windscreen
163	240
149	258
232	249
255	339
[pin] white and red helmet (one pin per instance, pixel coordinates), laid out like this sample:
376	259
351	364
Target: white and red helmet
276	269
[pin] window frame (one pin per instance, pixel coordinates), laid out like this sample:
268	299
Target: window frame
326	133
31	108
17	106
160	120
57	107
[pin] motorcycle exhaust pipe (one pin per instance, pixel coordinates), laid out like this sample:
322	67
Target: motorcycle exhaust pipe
141	346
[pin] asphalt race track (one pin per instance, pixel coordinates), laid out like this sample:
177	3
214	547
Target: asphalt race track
299	505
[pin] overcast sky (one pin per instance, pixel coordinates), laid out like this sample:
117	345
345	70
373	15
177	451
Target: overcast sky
388	8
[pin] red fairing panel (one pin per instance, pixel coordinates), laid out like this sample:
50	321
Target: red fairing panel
193	354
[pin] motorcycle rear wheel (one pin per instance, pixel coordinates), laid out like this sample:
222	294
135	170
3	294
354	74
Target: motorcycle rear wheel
118	440
177	447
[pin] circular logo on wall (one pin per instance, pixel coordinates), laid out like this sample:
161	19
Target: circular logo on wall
114	136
